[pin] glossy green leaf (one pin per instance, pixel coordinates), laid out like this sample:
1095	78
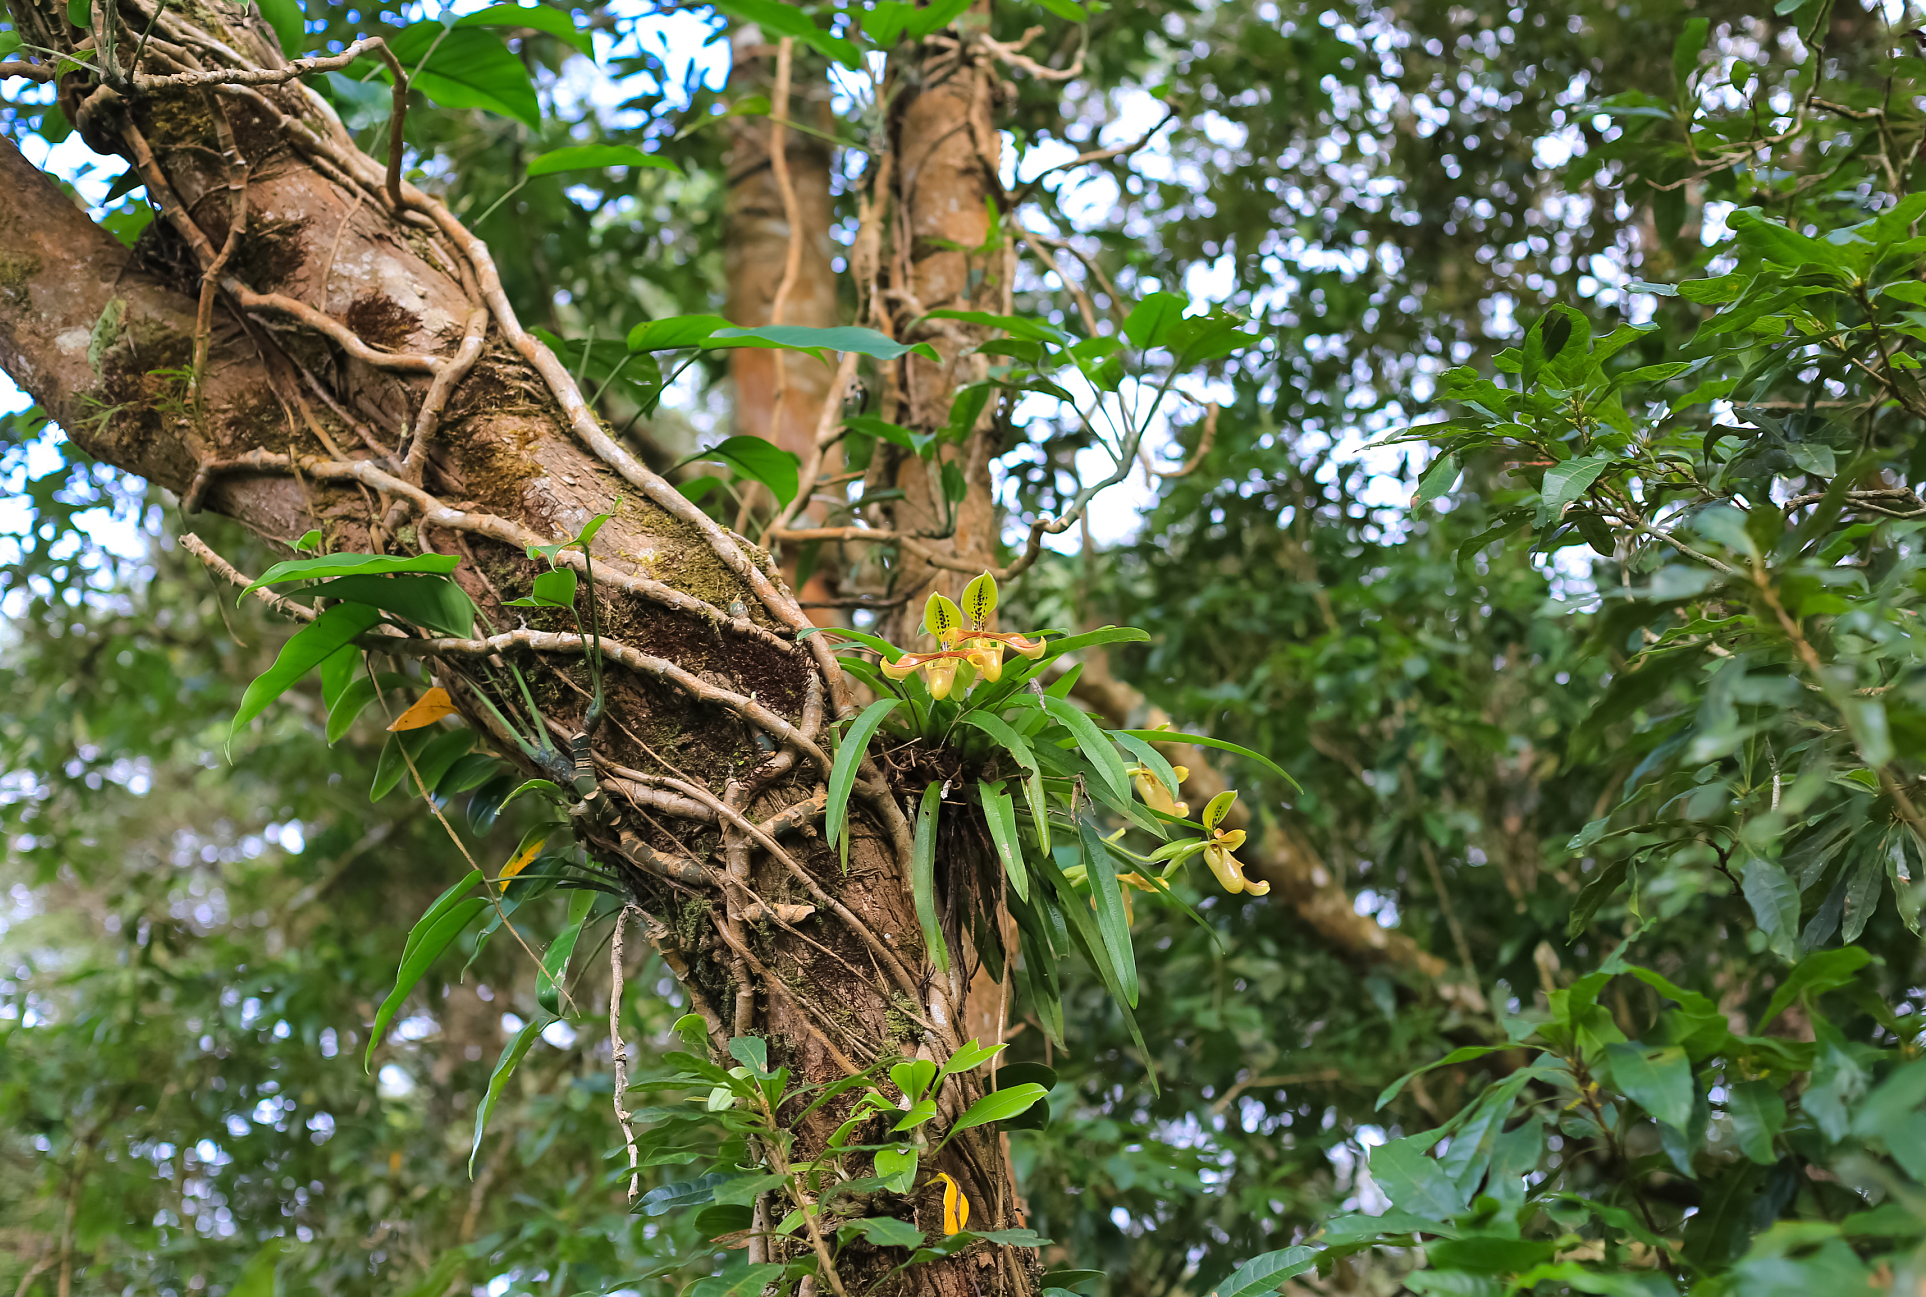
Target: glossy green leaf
779	19
467	67
1020	751
1206	741
1657	1080
796	337
999	1105
1150	321
1092	742
554	972
762	461
431	935
842	772
329	566
999	815
1266	1273
1107	895
923	876
674	332
309	647
512	1053
1758	1114
597	157
1414	1182
541	18
432	602
553	589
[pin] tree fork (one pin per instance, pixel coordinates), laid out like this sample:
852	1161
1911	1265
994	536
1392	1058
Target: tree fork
361	372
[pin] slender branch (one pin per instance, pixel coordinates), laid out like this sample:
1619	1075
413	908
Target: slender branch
620	1051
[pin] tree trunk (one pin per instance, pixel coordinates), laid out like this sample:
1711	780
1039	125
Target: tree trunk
303	341
941	256
777	256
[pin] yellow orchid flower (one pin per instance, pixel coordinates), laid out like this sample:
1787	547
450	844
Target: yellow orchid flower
1229	870
956	1207
986	655
941	669
1151	790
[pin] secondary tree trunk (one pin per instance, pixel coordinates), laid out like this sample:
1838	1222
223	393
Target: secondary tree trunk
777	254
302	341
942	256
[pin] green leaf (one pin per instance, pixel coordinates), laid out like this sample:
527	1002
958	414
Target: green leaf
1101	872
1203	338
897	1168
431	751
1758	1114
1774	899
999	813
1205	741
683	1193
1462	1054
555	22
336	565
1686	50
1266	1273
1817	973
1020	751
434	602
432	934
1068	10
919	1112
797	337
968	1057
512	1053
597	157
780	19
1016	327
554	970
288	22
674	332
310	646
921	23
469	68
1414	1182
1151	320
842	772
1605	881
1148	757
1565	482
1092	742
762	461
355	699
553	589
337	672
923	876
745	1189
999	1105
884	1231
1657	1080
1437	479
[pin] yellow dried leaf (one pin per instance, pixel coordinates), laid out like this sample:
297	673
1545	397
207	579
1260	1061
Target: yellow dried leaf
956	1208
520	862
428	709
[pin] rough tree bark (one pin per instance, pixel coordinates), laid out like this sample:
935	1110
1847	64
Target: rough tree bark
303	340
940	256
777	253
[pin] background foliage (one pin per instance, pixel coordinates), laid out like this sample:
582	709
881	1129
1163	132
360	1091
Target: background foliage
193	948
